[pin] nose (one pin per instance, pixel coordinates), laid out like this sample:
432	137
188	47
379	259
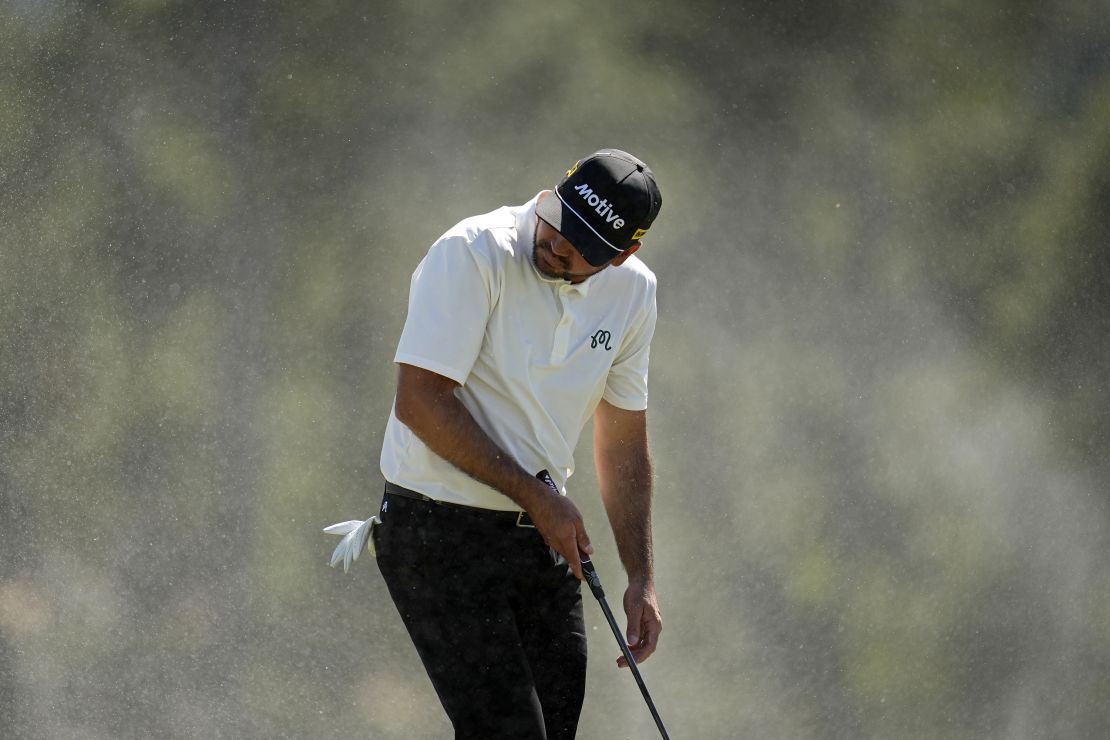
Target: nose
562	247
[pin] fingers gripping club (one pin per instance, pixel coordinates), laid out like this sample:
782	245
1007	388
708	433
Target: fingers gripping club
589	573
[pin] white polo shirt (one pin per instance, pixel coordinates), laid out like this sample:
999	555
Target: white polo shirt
533	355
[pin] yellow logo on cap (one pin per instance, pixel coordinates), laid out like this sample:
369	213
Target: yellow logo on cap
639	234
574	169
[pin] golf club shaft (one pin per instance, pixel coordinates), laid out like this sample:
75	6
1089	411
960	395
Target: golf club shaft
594	583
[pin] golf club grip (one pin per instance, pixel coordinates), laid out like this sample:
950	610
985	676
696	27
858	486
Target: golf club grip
594	582
591	576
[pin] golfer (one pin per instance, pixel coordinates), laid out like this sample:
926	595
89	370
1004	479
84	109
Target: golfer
523	324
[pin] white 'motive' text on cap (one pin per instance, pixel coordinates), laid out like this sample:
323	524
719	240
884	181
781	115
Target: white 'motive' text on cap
601	206
587	223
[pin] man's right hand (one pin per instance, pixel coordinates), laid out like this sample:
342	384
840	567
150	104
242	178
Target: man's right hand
426	403
560	523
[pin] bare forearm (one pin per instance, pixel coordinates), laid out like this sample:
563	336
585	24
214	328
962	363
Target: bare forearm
449	430
625	477
426	404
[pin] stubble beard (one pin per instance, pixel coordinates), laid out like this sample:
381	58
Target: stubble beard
552	258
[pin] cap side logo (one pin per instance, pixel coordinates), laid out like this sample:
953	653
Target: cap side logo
639	234
574	169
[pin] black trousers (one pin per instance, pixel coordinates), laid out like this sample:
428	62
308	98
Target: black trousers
495	614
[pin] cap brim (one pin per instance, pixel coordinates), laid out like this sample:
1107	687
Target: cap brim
593	248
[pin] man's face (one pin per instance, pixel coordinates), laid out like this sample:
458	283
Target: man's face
555	257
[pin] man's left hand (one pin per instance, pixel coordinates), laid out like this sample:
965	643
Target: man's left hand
644	621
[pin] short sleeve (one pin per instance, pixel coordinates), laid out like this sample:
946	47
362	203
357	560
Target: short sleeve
627	384
450	298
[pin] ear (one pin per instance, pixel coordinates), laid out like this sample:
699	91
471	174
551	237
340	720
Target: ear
617	261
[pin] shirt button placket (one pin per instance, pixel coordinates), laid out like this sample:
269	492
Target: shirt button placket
562	331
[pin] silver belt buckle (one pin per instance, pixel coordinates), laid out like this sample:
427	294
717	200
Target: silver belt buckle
520	520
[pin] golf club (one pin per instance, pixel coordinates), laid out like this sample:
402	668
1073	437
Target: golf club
594	582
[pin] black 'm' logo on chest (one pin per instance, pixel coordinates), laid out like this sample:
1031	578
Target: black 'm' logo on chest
601	339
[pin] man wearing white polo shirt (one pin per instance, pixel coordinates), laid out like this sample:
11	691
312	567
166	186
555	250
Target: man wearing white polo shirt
523	324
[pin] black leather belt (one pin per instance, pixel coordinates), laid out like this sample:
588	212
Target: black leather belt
519	518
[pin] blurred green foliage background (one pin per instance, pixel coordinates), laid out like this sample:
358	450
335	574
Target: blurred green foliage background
879	385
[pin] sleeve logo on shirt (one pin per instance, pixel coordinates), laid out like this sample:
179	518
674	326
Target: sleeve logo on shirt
601	339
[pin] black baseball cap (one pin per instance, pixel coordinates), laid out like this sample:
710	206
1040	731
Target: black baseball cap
604	203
